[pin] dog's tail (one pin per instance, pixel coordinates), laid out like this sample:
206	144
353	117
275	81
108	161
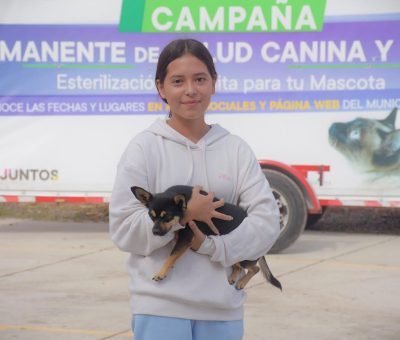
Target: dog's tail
267	273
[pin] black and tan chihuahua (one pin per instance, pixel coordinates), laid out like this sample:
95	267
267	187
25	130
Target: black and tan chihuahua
166	210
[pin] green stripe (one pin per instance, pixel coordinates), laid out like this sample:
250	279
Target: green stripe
307	66
82	66
132	14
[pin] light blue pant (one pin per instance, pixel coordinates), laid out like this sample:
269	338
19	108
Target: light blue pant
149	327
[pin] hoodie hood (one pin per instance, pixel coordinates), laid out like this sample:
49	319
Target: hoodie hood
210	140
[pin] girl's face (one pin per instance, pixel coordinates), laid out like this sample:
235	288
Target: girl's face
188	87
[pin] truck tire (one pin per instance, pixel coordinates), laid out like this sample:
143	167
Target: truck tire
292	207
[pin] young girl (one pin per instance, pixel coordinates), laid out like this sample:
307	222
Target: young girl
195	301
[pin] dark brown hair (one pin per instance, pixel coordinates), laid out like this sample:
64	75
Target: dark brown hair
178	48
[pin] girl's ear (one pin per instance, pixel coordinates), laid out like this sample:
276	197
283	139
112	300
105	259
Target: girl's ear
160	89
214	81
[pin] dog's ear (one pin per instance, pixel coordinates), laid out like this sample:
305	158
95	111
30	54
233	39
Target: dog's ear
180	200
142	195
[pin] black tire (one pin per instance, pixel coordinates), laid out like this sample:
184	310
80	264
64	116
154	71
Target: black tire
292	206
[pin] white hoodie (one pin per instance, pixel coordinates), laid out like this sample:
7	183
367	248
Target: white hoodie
197	286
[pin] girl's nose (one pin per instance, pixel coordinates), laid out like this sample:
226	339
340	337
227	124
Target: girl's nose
190	89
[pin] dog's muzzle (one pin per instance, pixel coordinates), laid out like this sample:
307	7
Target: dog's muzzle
158	230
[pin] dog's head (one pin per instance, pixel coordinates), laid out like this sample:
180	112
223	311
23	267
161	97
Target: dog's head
165	209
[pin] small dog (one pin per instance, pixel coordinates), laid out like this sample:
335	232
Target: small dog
167	208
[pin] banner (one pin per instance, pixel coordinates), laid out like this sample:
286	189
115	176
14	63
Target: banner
91	70
72	96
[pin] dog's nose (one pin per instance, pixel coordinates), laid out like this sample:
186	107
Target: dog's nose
158	231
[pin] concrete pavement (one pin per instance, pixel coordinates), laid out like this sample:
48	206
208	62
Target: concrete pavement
68	281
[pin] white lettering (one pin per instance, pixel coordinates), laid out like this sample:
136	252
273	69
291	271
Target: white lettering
306	18
156	23
215	24
31	52
325	83
278	17
64	51
237	15
257	19
265	52
384	49
9	55
314	51
232	18
356	52
185	20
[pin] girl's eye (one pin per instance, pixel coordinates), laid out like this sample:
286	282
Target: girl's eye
201	80
177	81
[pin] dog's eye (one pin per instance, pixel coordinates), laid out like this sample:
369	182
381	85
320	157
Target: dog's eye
168	217
164	216
152	214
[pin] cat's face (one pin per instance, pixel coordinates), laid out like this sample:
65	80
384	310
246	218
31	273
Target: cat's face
359	135
360	138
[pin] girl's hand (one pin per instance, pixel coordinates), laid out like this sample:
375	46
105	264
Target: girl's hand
202	208
198	236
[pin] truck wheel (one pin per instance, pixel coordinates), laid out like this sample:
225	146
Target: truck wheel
292	207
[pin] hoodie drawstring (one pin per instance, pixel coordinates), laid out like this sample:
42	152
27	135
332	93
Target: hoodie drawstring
204	161
191	161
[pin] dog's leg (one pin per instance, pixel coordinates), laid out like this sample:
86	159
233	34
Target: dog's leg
169	263
251	271
182	244
236	269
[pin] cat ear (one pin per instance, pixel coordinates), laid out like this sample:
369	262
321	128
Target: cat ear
390	119
180	200
142	195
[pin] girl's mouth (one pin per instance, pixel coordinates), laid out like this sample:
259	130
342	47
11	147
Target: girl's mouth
191	103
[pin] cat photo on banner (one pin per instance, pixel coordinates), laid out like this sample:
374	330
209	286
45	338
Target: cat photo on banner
372	145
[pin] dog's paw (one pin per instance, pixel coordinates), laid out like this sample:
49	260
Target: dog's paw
239	286
231	280
159	277
242	283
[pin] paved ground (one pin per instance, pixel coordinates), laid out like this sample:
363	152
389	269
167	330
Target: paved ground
67	281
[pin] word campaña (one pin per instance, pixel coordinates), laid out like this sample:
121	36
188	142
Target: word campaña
231	18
